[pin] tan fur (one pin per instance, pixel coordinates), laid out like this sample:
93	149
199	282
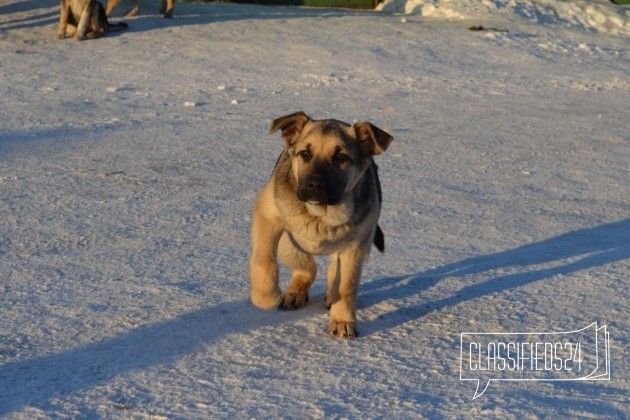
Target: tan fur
83	19
329	164
167	8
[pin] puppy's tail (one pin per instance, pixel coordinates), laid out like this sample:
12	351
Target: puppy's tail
115	27
379	239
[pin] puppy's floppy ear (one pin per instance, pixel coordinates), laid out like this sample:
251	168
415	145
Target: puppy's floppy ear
291	126
374	140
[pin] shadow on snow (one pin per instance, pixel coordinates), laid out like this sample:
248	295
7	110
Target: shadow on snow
42	14
567	253
34	381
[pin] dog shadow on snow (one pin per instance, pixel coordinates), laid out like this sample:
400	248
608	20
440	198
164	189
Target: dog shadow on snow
560	255
33	382
196	14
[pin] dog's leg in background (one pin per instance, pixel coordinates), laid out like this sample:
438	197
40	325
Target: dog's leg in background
64	10
84	21
343	286
303	272
167	8
99	24
110	6
134	9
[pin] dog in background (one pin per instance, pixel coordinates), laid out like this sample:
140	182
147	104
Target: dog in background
167	8
323	198
86	18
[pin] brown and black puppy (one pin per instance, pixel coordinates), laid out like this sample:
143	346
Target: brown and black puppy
323	198
86	18
167	8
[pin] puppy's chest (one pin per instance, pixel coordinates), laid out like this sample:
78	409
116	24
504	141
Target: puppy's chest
320	234
77	6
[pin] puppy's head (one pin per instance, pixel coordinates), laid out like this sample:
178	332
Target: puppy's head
329	157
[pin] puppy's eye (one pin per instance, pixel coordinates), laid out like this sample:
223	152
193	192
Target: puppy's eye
340	158
305	155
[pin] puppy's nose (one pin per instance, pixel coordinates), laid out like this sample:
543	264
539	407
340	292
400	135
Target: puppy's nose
313	188
314	184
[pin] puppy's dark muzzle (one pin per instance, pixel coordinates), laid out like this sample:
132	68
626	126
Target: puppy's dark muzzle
317	189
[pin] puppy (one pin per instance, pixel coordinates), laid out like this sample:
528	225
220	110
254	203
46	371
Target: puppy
323	198
87	18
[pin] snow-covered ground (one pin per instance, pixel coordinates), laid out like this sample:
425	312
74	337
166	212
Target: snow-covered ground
128	167
593	15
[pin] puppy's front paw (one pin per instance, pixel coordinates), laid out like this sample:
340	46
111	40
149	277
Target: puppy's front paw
267	301
293	301
347	330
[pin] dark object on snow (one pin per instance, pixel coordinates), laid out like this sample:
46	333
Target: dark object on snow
482	28
346	4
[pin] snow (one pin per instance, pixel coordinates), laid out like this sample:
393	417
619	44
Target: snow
129	164
593	15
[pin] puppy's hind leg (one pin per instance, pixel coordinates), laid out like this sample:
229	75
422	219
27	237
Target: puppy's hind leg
303	272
